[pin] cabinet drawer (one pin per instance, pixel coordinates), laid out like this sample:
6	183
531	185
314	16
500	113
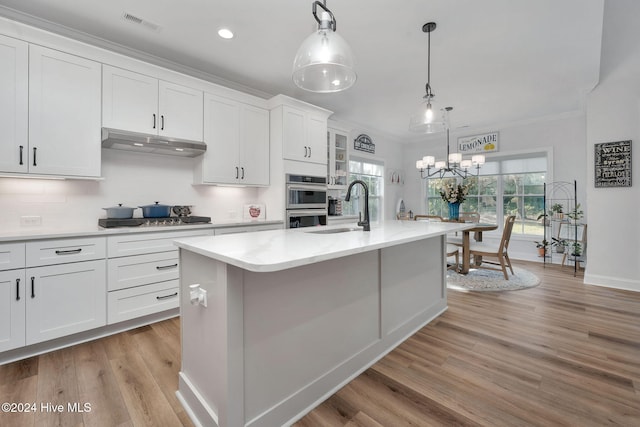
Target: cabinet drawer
61	251
130	303
145	243
247	229
140	270
11	256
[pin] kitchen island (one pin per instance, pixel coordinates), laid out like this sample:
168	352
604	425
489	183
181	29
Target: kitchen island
293	315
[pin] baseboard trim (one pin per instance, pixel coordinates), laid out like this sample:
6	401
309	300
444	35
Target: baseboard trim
612	282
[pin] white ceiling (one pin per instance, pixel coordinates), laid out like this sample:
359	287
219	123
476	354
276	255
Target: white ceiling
494	61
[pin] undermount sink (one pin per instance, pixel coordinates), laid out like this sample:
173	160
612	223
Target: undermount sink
333	230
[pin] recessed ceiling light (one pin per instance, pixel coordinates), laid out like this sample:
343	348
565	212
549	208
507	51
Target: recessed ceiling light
225	33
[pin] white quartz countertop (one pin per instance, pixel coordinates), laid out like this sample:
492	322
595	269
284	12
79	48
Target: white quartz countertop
277	250
37	233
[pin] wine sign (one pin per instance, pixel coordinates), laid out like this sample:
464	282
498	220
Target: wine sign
613	164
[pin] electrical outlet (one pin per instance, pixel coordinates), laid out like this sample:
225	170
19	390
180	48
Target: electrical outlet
31	220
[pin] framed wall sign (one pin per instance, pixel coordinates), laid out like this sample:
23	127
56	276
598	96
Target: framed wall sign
612	161
484	143
363	143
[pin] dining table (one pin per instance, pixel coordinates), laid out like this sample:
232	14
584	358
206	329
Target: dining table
477	230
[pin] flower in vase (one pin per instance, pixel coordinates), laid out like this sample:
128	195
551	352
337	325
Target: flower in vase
454	193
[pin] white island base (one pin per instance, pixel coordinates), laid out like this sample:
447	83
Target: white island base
270	346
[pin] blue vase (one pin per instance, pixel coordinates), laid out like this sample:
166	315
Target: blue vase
454	211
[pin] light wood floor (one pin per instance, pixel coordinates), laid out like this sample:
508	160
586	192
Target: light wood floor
563	353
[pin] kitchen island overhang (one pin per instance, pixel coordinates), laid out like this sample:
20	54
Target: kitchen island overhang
292	315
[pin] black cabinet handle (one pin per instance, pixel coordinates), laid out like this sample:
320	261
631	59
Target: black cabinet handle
69	252
237	172
21	150
305	151
309	151
165	267
162	122
17	289
167	296
35	149
242	177
33	288
154	120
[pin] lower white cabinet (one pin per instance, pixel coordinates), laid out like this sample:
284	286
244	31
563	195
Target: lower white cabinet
12	309
65	299
143	273
126	304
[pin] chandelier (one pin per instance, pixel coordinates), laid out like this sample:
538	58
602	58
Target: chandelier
425	120
454	165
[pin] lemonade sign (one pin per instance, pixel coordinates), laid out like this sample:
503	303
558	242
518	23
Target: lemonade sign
484	143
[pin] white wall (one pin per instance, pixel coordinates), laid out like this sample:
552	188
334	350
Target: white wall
132	179
613	114
389	151
564	138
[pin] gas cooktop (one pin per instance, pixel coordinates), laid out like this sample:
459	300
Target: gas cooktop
153	222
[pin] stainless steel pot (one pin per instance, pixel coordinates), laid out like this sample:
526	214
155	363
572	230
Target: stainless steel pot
156	210
119	212
182	210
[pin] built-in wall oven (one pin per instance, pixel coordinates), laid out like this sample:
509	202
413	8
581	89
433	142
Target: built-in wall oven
306	201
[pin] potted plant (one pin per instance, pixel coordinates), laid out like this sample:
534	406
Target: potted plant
576	214
560	244
576	249
556	210
542	247
546	221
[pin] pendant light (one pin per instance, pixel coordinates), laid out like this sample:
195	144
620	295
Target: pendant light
428	118
324	62
453	165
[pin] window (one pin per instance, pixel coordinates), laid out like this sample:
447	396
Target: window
506	186
372	173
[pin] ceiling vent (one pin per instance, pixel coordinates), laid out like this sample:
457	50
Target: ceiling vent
139	21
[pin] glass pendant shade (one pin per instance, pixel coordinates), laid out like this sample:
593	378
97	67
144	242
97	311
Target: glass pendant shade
324	62
427	119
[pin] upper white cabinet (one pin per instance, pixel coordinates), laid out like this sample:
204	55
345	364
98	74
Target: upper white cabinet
337	168
14	98
237	138
304	135
64	114
50	111
139	103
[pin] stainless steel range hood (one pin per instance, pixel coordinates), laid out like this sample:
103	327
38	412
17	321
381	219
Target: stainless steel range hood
152	144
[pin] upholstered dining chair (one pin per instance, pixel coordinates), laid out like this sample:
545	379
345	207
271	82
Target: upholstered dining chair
498	252
452	250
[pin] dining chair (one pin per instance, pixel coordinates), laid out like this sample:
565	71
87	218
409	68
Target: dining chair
499	252
452	249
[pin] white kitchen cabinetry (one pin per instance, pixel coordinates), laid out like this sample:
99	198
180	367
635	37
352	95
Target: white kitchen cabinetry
64	299
143	273
139	103
304	135
12	296
237	138
14	98
65	287
248	228
338	166
64	114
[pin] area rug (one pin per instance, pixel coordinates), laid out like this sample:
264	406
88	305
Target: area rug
481	280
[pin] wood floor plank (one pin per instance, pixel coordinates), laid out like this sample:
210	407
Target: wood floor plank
145	401
21	391
57	387
97	386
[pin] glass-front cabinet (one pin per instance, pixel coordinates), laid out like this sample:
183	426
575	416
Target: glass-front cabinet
337	165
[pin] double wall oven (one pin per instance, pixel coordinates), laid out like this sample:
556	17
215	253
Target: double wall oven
306	201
